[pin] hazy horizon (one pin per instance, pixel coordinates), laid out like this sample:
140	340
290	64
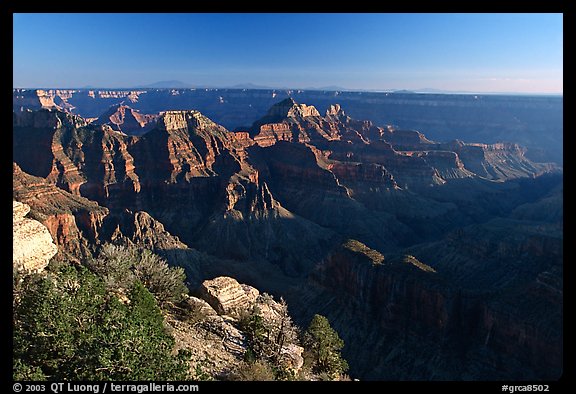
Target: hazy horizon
461	53
281	88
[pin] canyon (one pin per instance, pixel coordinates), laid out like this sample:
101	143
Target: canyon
435	259
532	121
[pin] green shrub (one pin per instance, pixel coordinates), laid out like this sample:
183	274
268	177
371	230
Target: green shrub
120	266
67	326
23	371
113	265
166	283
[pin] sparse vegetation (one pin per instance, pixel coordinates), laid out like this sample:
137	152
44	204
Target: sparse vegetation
268	336
113	265
257	370
358	247
408	259
190	313
166	283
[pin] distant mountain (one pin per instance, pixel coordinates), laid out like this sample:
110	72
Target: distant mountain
332	87
431	90
326	88
167	85
403	91
250	86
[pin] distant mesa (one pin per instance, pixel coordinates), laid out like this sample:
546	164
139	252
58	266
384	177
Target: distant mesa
331	87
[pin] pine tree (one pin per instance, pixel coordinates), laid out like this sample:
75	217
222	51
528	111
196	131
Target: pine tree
324	345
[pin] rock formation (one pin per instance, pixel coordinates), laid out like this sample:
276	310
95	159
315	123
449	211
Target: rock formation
75	222
127	120
32	245
216	342
230	298
216	345
226	295
398	300
290	109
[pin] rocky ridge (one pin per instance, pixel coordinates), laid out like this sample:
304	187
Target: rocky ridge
77	224
535	122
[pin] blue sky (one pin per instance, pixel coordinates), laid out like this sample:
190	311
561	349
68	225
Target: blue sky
458	52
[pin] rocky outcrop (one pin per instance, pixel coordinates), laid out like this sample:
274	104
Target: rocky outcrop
103	165
226	295
448	164
36	99
270	133
185	145
127	120
72	154
289	121
404	139
335	110
208	327
296	163
46	119
141	229
412	160
290	109
73	221
32	245
241	139
499	161
292	357
230	298
360	175
254	226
